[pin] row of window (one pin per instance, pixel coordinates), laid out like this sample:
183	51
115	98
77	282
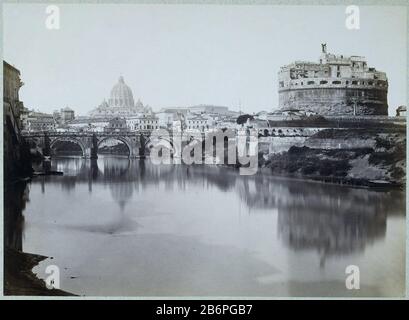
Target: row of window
197	121
381	84
198	127
144	121
148	127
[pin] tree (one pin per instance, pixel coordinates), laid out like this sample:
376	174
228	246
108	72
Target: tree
243	118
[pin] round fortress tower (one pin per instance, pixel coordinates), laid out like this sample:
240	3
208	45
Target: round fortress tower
337	85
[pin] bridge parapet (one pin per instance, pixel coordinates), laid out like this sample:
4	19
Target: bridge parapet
84	134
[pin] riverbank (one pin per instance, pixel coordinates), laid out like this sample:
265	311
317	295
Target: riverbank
19	279
374	160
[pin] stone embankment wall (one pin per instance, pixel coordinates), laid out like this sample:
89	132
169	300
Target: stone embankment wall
279	139
340	143
280	144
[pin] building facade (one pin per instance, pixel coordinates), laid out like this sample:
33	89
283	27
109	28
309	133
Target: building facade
168	116
39	121
83	123
116	125
11	86
63	115
16	153
198	122
142	122
337	85
67	114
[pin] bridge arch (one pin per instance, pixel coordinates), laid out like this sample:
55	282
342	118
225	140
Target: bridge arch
69	139
124	140
151	141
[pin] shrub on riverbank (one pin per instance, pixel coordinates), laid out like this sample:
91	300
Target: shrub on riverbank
307	161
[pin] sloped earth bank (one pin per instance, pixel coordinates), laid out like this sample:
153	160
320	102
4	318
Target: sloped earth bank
375	155
19	279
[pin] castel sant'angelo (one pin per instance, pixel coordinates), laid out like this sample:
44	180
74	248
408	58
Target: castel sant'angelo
337	86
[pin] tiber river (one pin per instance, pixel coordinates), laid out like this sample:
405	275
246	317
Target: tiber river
120	227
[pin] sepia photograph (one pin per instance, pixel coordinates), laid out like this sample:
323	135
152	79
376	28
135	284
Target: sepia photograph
205	150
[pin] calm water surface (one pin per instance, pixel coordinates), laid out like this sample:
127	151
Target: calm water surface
124	227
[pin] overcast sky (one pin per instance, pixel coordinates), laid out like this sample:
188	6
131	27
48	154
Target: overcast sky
182	55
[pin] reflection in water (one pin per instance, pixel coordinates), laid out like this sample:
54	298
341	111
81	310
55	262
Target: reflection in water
203	206
15	198
329	219
333	230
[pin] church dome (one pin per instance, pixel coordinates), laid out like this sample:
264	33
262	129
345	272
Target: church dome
121	95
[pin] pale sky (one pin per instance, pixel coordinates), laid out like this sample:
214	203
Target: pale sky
183	55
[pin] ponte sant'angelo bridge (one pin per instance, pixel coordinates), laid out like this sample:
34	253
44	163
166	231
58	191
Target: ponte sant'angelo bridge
138	142
89	142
